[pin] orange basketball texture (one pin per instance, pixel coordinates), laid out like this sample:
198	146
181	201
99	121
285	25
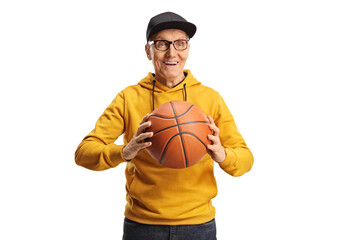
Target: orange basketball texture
180	134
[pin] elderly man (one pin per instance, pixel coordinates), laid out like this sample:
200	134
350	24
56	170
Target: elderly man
165	203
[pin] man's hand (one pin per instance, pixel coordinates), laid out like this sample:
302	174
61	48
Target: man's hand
215	150
137	143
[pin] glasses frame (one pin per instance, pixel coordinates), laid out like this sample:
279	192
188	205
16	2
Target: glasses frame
170	43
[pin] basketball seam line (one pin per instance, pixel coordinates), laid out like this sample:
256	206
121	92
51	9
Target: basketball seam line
154	115
165	149
182	142
179	125
177	122
183	133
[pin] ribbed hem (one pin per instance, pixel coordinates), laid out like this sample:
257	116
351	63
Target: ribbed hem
230	159
160	221
116	156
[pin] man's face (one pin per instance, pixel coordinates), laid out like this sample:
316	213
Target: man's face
169	65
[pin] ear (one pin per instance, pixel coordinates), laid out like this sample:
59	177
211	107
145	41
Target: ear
147	51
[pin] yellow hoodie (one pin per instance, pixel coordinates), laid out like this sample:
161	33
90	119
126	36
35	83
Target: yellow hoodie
156	194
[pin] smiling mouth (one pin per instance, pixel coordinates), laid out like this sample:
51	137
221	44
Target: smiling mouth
171	63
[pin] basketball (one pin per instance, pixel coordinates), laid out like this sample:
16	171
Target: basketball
180	134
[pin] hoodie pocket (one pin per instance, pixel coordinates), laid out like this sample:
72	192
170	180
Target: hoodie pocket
132	184
130	173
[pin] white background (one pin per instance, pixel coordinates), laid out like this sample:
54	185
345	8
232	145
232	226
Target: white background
288	70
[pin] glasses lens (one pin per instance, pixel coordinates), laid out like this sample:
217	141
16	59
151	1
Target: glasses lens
180	44
161	45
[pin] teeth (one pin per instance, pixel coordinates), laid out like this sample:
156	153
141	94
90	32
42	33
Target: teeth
170	63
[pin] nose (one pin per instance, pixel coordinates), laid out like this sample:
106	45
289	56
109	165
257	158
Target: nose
171	51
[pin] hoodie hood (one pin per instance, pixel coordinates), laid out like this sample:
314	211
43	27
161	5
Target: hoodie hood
148	83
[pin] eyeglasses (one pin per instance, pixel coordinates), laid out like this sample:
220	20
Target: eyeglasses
163	45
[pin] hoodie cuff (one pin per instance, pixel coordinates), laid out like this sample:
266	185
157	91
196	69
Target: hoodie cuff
230	160
116	156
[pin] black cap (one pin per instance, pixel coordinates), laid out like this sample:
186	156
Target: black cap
169	20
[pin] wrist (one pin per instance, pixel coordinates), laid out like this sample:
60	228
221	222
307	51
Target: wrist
222	156
125	154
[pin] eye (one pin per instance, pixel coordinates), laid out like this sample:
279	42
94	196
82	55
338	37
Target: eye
180	44
161	44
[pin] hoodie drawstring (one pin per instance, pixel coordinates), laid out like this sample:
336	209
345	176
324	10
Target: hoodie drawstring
153	94
185	92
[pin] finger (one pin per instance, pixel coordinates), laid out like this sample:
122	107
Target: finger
215	130
134	147
213	127
142	128
145	118
213	139
211	147
214	147
144	145
211	120
144	136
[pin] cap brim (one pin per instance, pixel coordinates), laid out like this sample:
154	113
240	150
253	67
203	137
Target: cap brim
187	27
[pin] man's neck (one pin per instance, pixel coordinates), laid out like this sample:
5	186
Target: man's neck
169	82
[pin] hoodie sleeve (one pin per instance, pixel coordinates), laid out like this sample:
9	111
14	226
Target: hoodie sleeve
239	158
97	150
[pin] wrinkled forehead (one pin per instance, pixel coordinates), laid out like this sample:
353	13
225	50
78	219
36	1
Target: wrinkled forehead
169	34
